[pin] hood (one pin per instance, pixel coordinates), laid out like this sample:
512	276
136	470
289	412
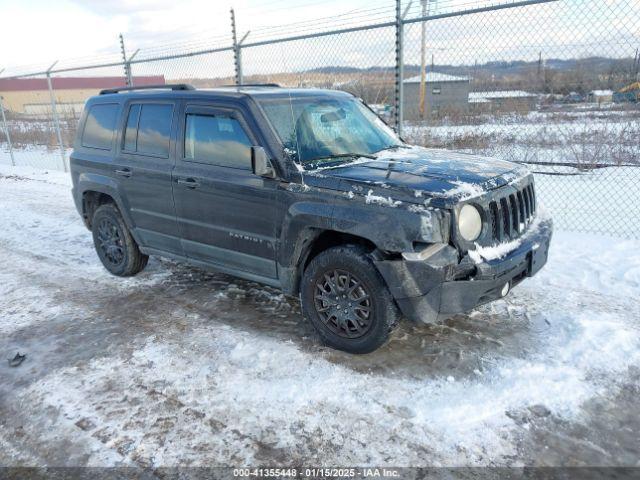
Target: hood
419	172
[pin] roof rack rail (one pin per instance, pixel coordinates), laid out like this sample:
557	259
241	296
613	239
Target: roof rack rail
251	85
169	86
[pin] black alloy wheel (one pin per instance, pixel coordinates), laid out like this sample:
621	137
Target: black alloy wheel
343	303
346	299
110	242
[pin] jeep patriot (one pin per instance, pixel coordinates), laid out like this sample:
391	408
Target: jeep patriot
307	191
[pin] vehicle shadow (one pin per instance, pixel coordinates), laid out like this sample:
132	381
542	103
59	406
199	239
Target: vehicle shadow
462	346
95	321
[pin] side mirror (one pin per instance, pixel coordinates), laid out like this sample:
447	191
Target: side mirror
260	163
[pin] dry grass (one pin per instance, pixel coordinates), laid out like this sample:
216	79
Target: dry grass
587	141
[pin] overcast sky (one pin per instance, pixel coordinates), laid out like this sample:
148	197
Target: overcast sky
34	33
41	31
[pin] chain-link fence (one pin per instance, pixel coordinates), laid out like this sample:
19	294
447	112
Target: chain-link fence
549	83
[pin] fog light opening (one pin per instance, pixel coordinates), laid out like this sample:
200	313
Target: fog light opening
505	290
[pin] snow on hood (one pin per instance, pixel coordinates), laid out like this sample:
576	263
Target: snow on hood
410	173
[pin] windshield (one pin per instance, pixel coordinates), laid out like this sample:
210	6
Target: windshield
317	131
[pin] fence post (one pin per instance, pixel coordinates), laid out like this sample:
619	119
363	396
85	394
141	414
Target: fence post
125	63
237	54
56	120
129	71
6	132
399	69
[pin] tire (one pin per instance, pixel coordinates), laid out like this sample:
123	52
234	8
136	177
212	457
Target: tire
360	321
116	248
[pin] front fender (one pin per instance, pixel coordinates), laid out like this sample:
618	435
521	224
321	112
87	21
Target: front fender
303	222
390	229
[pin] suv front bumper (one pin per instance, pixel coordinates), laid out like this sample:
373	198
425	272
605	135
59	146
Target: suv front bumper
428	291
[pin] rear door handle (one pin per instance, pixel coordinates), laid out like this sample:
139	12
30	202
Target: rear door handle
125	172
189	182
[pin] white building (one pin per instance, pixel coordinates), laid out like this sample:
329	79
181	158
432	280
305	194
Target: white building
503	100
444	94
600	96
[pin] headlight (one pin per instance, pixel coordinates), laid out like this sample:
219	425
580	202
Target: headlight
469	223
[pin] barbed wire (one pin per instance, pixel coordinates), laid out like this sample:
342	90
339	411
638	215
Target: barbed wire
353	18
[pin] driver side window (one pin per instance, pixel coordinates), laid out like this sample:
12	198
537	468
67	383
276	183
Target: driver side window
216	140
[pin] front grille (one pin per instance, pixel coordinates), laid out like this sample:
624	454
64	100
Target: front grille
511	214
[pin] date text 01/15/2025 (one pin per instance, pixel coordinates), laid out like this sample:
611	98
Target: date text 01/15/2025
317	472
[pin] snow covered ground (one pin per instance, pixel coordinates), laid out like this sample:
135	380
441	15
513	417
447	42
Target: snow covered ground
180	366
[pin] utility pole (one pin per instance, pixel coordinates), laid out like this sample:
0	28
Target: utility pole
540	82
56	120
539	63
423	61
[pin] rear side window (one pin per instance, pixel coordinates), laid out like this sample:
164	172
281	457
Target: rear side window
148	129
217	140
131	132
100	126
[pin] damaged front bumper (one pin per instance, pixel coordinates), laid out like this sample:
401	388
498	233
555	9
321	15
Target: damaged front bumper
441	286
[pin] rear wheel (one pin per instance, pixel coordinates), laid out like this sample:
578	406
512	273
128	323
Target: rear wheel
347	301
116	248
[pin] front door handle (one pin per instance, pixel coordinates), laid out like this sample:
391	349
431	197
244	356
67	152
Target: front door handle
189	182
125	172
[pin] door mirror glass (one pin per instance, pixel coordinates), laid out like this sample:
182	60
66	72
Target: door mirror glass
260	163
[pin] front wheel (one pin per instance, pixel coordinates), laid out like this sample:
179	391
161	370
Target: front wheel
346	300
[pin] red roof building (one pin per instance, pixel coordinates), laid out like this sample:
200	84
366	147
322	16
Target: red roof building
74	83
31	95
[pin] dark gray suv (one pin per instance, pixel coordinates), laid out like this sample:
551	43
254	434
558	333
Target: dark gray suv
307	191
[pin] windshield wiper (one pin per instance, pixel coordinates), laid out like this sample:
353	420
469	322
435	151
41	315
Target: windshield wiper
340	155
393	147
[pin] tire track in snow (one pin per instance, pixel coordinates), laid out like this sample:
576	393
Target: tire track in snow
163	366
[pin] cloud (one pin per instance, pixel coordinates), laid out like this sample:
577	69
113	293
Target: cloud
124	7
41	32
